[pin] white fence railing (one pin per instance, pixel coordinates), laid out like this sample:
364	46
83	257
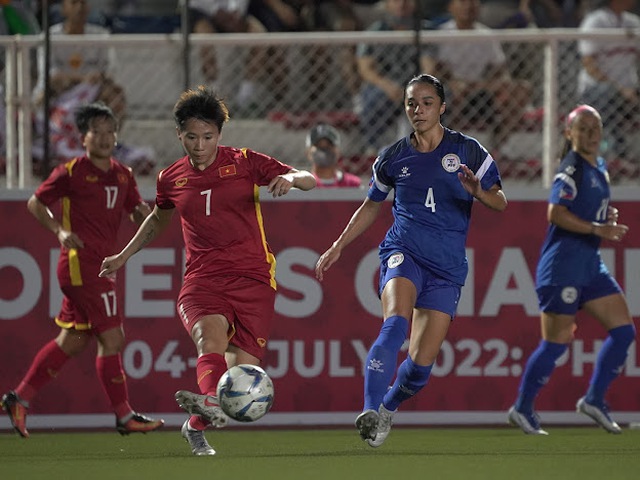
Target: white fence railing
302	78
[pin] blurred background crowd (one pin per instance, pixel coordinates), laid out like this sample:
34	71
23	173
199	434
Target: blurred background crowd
279	92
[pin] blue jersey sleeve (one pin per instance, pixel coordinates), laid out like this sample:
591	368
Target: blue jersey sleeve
381	182
564	189
480	161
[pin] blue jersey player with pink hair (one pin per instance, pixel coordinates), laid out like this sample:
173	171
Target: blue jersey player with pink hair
436	174
571	276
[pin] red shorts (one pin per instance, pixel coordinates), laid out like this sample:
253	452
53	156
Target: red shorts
93	306
247	304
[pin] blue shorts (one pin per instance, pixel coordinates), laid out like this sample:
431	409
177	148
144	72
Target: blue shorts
568	299
433	292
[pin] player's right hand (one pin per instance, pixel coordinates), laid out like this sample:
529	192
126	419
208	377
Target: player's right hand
69	239
110	265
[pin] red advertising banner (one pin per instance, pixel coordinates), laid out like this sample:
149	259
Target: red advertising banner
323	330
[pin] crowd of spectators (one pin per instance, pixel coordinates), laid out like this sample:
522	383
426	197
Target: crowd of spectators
368	80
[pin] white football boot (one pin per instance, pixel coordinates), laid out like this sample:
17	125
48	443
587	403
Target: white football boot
205	406
600	414
367	424
528	423
385	420
197	442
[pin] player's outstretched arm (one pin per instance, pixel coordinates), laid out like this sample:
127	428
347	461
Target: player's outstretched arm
362	219
294	178
153	225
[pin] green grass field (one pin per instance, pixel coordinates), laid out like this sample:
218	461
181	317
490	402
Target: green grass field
426	453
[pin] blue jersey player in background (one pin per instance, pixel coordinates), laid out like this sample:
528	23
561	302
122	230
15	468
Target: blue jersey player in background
571	276
436	175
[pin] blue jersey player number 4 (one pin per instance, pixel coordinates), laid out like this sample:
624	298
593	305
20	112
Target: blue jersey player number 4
436	174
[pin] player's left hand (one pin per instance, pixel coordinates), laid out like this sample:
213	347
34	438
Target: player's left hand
280	185
110	265
470	182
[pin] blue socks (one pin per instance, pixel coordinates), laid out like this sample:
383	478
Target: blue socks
382	360
410	380
537	372
609	363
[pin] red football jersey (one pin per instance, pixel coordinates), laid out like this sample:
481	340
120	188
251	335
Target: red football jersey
92	205
220	213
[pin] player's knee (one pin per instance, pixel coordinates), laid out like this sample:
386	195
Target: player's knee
624	335
394	331
72	342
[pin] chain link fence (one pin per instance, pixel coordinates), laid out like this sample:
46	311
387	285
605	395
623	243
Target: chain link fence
279	85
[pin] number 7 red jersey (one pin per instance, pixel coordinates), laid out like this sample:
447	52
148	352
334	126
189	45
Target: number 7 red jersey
220	213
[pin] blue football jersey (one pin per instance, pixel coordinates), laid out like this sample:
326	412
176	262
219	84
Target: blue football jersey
569	258
431	209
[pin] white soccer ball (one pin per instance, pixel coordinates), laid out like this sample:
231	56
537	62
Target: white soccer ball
245	393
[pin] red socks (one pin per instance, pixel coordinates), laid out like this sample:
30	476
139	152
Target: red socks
44	368
114	382
50	359
209	368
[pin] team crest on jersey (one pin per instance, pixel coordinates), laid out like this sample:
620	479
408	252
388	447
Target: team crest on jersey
395	260
227	171
91	178
181	182
569	295
122	178
451	162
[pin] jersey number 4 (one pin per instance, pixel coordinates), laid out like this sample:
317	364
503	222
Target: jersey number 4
430	201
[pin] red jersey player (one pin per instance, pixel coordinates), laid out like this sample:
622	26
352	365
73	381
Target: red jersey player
226	302
94	191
